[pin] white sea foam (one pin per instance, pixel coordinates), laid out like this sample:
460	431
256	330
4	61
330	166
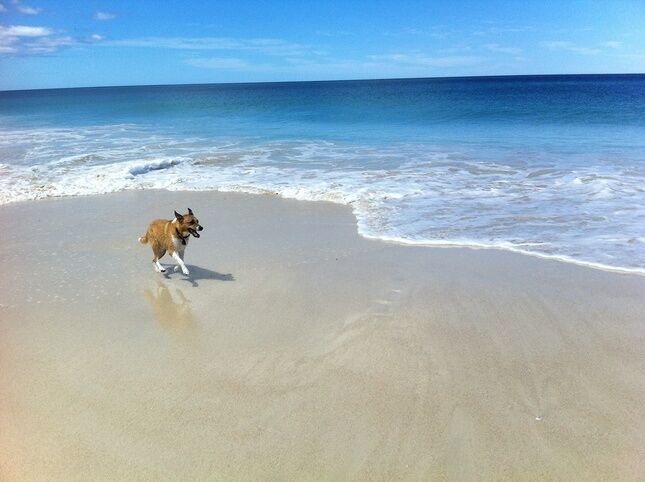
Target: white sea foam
156	165
588	213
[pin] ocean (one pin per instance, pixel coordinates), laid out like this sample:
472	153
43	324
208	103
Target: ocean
551	166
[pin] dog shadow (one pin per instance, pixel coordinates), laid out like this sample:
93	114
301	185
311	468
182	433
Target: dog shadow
198	273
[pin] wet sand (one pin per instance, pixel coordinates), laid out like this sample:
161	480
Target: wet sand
299	350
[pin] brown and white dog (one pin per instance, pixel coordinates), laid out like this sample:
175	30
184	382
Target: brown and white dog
171	236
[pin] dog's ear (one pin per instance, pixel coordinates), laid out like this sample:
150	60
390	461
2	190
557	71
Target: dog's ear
179	216
190	211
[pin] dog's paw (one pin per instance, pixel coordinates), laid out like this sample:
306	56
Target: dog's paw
177	268
185	271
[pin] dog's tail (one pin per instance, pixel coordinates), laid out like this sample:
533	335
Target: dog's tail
144	239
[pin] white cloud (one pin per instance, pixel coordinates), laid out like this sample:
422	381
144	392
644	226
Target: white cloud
422	60
612	44
219	63
503	50
8	44
12	37
104	16
335	33
27	40
262	45
24	31
44	45
404	64
570	47
438	32
496	30
24	9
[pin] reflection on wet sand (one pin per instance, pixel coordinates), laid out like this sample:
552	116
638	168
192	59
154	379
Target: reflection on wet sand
175	316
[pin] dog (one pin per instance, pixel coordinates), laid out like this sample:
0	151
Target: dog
171	236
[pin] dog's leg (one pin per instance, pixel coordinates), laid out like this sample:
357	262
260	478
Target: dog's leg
157	266
180	262
181	255
158	252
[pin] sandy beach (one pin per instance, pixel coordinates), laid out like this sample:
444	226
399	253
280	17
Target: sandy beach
298	350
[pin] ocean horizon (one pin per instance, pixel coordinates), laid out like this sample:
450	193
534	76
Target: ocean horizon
366	79
548	165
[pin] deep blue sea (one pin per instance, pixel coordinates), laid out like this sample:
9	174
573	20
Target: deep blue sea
548	165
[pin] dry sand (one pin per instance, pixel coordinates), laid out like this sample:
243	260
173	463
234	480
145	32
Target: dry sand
299	350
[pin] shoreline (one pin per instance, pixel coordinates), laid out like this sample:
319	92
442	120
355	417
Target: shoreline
510	249
297	349
385	239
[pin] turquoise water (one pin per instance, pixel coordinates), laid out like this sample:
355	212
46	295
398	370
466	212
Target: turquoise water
550	165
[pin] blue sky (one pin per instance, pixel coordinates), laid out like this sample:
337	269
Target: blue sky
46	43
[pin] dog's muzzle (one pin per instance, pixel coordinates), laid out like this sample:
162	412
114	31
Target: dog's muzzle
195	233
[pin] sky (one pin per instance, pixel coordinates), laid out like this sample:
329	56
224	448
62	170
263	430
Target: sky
71	43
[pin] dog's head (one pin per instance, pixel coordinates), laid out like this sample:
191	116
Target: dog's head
188	223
